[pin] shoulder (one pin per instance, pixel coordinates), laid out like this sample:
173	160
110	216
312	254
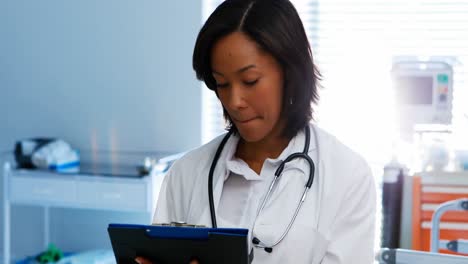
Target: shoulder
199	155
194	163
336	149
341	158
346	182
185	180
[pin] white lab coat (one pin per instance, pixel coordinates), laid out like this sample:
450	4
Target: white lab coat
335	225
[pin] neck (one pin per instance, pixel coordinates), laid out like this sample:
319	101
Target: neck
259	151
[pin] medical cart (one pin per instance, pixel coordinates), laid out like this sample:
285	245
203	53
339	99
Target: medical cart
117	190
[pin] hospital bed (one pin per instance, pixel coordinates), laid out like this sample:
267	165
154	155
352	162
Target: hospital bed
403	256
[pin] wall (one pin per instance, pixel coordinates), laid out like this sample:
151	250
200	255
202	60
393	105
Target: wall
103	75
115	75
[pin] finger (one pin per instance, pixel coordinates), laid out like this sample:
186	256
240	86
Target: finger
141	260
194	260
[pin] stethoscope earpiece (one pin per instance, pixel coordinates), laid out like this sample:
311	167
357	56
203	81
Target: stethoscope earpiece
256	241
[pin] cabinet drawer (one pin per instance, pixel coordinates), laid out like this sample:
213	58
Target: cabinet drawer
113	195
46	190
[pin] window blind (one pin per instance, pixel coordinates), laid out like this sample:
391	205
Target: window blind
353	43
356	43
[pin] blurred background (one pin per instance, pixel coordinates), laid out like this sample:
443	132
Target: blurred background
113	80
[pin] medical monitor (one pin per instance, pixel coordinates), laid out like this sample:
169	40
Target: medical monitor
424	92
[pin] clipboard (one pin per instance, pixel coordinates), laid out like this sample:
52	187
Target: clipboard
178	245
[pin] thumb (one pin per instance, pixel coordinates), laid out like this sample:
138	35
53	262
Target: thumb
141	260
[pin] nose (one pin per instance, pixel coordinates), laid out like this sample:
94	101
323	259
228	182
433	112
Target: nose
234	97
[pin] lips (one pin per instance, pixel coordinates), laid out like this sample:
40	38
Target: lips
246	120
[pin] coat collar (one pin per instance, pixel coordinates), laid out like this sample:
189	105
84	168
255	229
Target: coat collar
221	171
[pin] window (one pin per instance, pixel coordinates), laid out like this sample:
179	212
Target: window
212	113
354	42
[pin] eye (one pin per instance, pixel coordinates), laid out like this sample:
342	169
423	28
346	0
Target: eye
251	83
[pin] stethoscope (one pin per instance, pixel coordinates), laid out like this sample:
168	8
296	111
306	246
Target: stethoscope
298	155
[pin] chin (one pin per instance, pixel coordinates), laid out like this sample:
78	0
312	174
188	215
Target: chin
251	136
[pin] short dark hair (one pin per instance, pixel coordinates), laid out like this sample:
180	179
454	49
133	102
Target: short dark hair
277	28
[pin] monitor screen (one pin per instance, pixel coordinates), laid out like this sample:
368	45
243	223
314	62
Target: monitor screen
414	90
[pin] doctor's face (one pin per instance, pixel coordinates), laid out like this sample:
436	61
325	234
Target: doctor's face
249	85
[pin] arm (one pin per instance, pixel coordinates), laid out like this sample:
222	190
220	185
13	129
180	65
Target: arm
166	208
352	235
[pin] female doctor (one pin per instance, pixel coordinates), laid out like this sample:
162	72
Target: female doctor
255	55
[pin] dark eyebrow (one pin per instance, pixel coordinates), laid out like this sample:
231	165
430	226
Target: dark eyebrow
243	69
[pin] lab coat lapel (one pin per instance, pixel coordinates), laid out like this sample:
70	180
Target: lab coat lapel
221	171
218	189
320	184
203	216
218	183
323	183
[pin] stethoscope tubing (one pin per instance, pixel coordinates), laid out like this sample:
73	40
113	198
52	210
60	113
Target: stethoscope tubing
210	179
278	173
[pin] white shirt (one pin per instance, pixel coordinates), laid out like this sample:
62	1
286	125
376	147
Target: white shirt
335	224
